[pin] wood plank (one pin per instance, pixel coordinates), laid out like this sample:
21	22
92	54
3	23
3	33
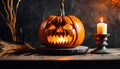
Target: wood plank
114	56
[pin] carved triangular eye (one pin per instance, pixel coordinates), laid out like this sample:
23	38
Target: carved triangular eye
68	26
52	27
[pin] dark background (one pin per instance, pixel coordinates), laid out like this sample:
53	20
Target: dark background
32	12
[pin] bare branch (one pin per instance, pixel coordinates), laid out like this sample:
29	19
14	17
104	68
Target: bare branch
11	9
14	16
5	8
8	2
17	5
10	15
3	16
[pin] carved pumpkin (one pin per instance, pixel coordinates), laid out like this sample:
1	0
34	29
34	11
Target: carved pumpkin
61	31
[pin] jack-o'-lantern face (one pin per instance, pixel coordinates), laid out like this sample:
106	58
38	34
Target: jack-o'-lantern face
61	31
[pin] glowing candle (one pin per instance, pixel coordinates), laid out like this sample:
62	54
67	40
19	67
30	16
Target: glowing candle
101	27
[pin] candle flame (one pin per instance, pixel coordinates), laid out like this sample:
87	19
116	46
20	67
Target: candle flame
101	19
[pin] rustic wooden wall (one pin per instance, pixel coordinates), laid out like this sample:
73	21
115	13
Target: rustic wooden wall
32	12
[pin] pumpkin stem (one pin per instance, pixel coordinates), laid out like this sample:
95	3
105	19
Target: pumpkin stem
61	9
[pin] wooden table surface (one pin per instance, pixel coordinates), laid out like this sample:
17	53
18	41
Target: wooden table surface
114	56
84	61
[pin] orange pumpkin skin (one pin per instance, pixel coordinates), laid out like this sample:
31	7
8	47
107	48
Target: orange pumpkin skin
61	31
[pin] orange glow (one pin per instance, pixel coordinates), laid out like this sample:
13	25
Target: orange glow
60	29
68	27
52	27
101	19
59	39
65	58
116	1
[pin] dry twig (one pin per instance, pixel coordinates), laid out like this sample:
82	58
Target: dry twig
8	48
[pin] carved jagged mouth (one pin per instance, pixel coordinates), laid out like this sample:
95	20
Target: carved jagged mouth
55	39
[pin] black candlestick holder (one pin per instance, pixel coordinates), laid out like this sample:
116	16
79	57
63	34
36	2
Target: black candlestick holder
101	42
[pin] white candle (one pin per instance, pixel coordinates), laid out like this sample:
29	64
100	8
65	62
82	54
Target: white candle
101	27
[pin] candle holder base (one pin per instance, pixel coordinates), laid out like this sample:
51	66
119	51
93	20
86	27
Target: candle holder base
101	42
102	50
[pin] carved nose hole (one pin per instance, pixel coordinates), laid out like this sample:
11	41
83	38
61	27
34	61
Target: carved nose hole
60	30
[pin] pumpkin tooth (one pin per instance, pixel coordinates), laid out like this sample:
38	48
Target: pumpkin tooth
59	39
65	39
49	38
54	39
